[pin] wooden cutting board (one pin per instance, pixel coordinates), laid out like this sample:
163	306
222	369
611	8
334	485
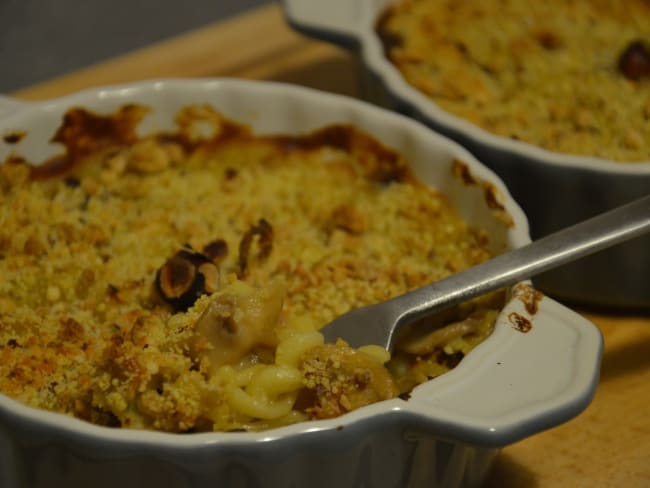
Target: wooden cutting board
608	445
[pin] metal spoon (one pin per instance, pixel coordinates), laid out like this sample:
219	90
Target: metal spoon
379	323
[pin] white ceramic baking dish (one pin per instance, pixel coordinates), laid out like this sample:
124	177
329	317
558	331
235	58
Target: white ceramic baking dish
555	190
445	435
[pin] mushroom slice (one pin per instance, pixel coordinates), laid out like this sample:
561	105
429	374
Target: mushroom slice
238	321
440	337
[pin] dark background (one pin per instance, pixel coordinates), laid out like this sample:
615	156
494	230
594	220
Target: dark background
41	39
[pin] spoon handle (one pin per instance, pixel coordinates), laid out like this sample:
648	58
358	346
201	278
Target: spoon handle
566	245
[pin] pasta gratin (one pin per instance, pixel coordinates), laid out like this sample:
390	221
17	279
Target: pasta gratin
567	76
177	281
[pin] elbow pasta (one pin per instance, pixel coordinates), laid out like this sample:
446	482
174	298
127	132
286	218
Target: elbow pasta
178	284
270	394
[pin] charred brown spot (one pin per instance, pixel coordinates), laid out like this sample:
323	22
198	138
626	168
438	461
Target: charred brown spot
70	330
72	182
100	417
112	290
179	139
519	322
85	281
548	40
378	162
14	137
191	118
634	62
336	136
264	233
83	133
492	198
450	360
529	296
306	398
185	277
348	219
461	171
34	246
362	379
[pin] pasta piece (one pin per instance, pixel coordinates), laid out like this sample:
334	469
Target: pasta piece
290	351
270	394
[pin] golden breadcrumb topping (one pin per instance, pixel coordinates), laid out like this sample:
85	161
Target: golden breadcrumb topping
177	282
568	76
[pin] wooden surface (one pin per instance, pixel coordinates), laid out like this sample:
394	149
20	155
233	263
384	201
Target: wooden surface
608	445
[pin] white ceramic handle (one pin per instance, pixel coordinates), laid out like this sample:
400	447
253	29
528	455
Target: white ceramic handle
538	379
333	20
9	105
